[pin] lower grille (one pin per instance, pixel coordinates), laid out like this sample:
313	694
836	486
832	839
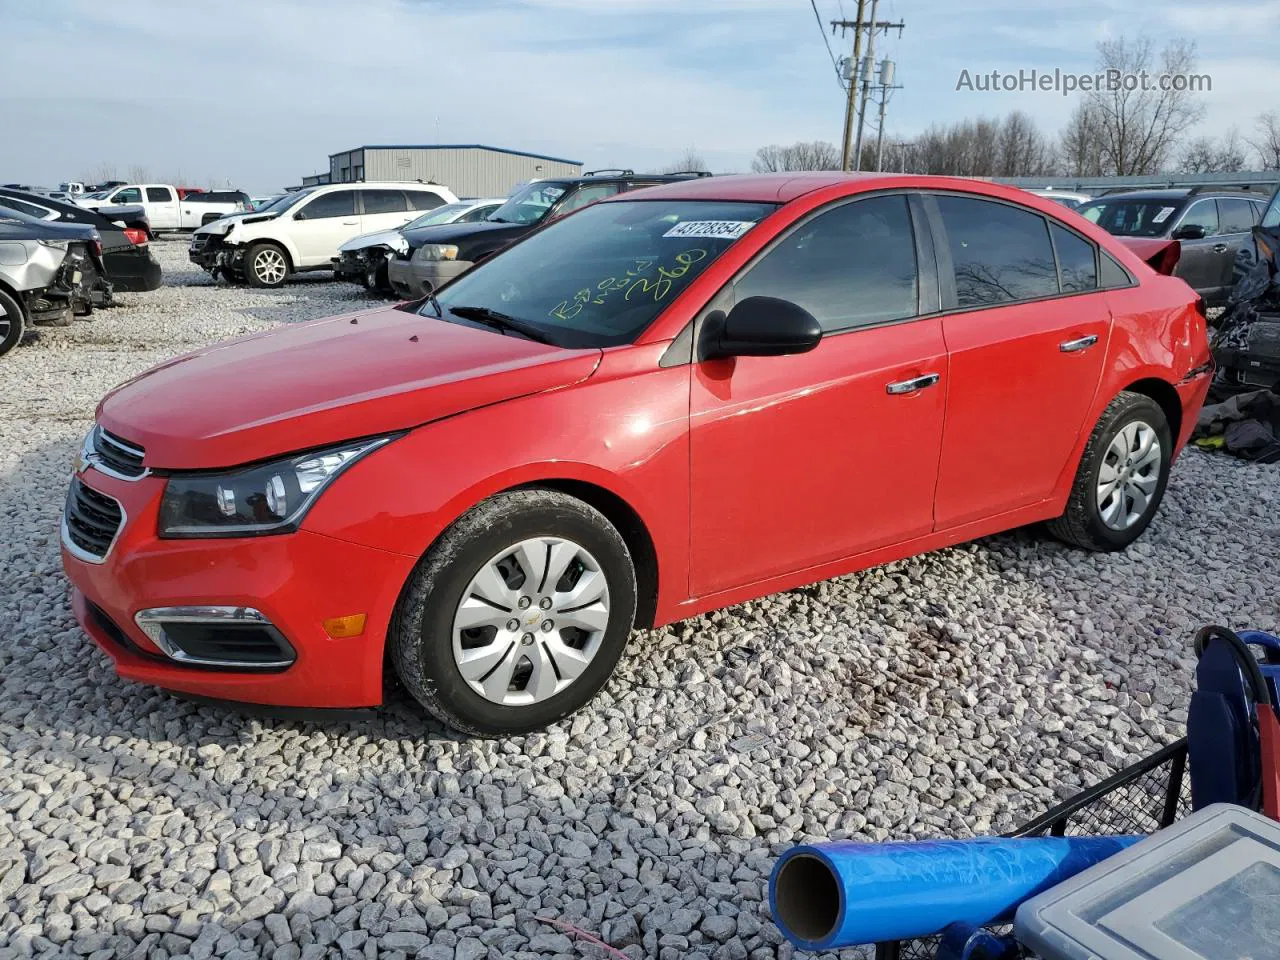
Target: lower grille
234	638
91	522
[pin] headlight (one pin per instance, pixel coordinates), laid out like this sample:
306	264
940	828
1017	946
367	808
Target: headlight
56	244
268	498
438	251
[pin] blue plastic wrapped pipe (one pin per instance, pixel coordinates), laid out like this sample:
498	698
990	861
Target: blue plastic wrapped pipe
834	895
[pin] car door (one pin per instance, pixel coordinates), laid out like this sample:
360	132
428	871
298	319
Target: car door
322	225
799	460
1200	263
162	208
1025	353
1236	217
127	196
384	210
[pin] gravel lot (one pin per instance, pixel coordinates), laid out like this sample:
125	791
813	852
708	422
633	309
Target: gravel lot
958	692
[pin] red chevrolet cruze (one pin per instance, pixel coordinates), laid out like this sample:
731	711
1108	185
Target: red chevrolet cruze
667	402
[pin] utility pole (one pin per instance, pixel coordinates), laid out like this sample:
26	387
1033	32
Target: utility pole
853	80
886	84
859	67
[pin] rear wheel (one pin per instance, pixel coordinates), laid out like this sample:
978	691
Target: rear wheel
1121	478
12	322
517	615
266	265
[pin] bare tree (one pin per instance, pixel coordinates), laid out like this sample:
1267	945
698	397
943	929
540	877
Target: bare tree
1267	142
814	155
1080	143
1207	155
691	159
1023	149
138	173
101	173
1140	127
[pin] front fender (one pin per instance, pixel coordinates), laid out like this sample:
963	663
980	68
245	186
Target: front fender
625	431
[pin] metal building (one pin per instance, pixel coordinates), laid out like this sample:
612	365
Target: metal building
468	169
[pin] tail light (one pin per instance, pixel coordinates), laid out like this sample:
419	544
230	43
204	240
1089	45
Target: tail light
96	246
137	236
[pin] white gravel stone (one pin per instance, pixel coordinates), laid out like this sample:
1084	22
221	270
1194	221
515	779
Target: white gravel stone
950	694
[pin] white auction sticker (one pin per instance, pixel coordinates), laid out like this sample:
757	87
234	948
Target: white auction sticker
1163	215
718	229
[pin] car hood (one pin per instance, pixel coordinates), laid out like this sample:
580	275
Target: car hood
223	225
318	383
461	233
386	238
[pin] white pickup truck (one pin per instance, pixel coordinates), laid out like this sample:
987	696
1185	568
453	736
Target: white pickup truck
166	208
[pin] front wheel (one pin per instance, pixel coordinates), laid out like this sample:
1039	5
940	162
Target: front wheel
266	265
12	322
517	615
1121	478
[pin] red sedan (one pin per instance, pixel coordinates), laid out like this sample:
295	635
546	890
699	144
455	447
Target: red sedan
672	401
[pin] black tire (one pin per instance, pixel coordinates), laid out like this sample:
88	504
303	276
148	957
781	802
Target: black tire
13	322
1081	524
255	267
420	637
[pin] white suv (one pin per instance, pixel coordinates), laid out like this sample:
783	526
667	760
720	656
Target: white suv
303	230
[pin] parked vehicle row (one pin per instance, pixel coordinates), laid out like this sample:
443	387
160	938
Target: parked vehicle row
660	404
1212	226
303	230
168	209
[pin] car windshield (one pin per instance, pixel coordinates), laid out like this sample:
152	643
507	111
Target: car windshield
443	214
288	200
1132	218
530	204
602	275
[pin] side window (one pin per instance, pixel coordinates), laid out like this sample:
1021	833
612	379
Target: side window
383	201
30	209
1202	213
1236	215
1258	207
1077	261
128	195
850	267
1000	253
340	203
479	213
158	194
423	199
1113	275
584	196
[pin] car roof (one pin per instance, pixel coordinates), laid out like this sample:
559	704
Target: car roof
1180	193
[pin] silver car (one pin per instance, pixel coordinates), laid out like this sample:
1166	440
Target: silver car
42	272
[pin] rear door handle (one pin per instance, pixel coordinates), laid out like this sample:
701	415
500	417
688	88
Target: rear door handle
914	385
1075	346
350	223
1219	248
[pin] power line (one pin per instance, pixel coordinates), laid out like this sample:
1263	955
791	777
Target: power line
830	53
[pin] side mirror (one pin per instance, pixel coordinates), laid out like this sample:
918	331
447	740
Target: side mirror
760	327
1190	231
300	215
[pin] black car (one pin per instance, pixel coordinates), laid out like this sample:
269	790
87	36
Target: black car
125	233
437	254
1212	226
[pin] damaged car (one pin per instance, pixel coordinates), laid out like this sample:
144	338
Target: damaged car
43	267
1246	343
363	259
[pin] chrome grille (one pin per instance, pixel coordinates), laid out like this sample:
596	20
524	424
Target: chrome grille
91	522
116	455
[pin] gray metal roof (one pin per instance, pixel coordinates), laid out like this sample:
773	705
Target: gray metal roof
455	146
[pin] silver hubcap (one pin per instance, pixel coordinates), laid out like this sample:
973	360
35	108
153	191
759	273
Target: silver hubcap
269	266
1129	476
531	621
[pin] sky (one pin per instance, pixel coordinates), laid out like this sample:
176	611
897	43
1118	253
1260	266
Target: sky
260	92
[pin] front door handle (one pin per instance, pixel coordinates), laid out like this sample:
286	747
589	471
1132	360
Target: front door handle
1219	248
350	223
1075	346
914	385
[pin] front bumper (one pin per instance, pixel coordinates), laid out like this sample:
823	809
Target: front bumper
209	252
416	278
296	580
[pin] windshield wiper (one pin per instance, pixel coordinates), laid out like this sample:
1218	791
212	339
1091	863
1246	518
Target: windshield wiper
500	321
499	220
431	299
